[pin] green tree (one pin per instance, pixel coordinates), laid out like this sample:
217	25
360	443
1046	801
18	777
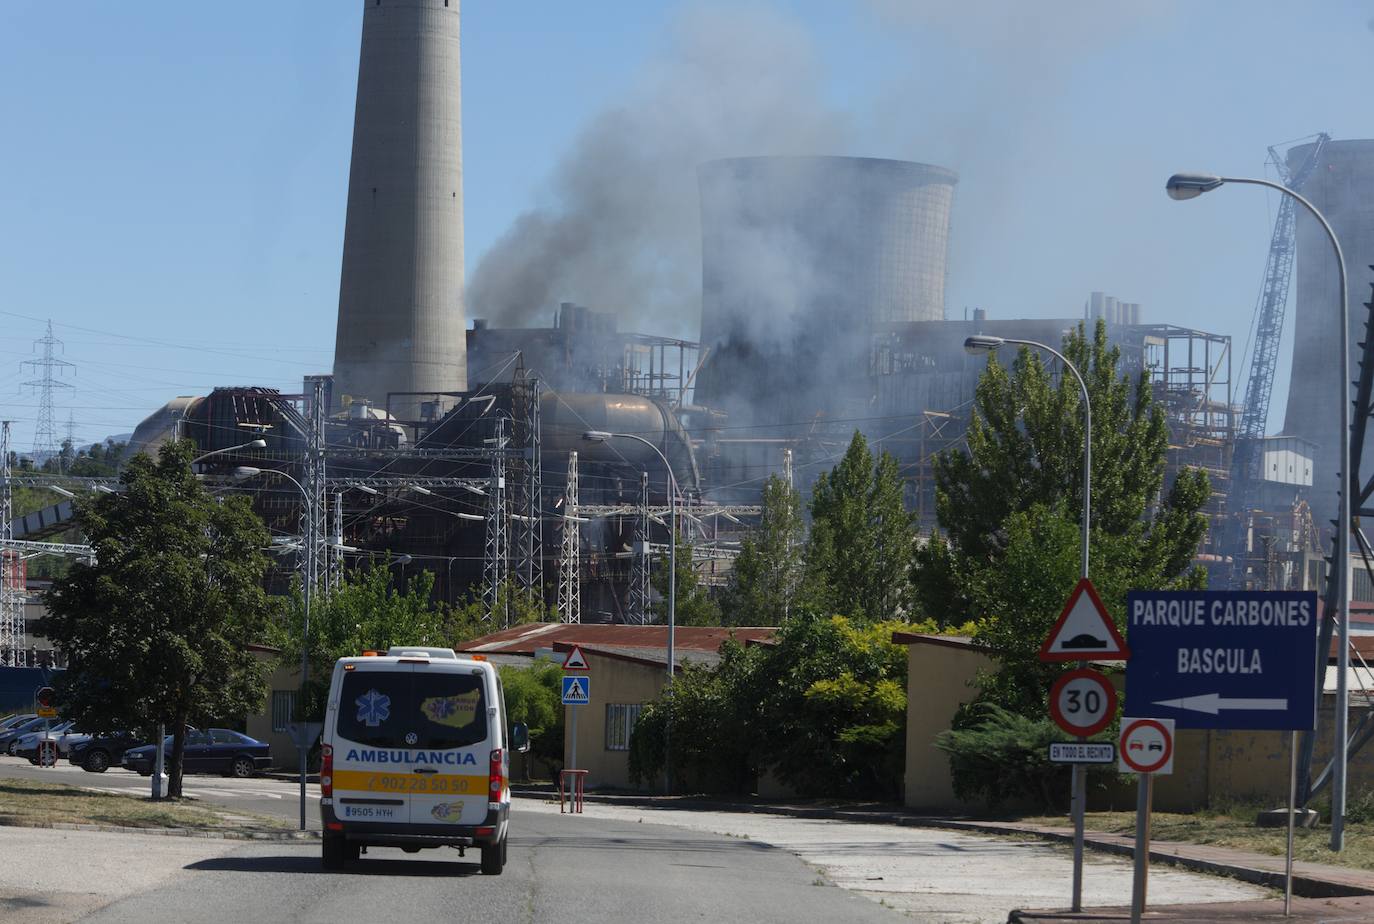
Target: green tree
157	629
534	696
859	553
695	605
1009	510
766	581
366	613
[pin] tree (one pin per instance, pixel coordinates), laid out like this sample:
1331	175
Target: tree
766	581
859	553
534	696
1009	510
367	613
158	627
694	605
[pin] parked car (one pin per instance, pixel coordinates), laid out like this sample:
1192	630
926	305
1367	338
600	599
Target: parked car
26	746
9	739
10	721
99	752
217	750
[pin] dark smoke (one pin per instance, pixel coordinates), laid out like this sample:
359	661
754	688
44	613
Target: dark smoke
622	232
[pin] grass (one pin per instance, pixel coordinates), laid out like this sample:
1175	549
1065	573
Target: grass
1234	826
30	802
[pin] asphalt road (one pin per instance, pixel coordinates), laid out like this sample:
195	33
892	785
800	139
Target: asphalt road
565	869
259	795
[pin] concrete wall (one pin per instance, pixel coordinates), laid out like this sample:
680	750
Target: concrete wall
259	726
613	681
939	680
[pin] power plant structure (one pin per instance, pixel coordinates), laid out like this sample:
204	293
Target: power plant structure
401	320
461	451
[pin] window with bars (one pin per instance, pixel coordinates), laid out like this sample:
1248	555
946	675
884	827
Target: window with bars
620	721
283	709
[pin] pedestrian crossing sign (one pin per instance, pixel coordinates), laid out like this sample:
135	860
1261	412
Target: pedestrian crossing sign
577	691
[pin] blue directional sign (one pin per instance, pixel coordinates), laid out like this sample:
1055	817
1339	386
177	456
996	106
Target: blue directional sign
577	690
1223	659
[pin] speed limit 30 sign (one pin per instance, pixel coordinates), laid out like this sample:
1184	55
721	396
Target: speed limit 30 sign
1082	702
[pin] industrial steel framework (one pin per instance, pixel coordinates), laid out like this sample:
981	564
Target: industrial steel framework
1362	505
570	553
1269	314
314	538
527	482
495	552
637	613
11	565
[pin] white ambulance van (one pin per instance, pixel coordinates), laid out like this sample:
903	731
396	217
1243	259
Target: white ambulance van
416	754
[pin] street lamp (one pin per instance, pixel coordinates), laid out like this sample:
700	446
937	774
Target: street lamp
982	343
1189	186
601	436
239	474
251	444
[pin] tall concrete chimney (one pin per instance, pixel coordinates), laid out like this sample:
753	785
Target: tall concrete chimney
401	326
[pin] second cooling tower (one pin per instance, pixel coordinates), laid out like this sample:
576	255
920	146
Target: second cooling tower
803	256
401	325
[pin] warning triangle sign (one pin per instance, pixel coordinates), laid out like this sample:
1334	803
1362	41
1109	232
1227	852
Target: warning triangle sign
1084	631
576	660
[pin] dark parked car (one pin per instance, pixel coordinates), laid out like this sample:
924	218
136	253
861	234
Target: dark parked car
102	751
218	750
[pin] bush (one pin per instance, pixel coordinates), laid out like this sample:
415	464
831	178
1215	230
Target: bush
534	696
998	756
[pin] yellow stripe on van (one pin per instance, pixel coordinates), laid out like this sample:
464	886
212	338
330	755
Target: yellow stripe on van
403	783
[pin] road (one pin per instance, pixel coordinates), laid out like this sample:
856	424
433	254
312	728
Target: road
612	863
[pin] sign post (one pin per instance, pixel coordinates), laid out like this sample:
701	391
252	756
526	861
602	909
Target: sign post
1084	630
1147	748
1227	659
577	690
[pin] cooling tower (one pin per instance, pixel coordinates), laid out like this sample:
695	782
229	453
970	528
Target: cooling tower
401	326
802	257
1342	189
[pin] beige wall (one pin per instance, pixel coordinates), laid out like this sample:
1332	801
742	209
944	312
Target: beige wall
939	680
612	681
284	755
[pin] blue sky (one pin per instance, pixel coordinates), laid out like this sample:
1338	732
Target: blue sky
174	173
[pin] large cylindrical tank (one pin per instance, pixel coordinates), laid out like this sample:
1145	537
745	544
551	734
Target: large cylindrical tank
1342	189
803	256
401	325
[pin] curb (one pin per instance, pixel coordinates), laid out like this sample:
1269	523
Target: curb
1304	885
167	832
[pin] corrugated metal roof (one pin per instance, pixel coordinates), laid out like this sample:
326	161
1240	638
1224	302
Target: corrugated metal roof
650	640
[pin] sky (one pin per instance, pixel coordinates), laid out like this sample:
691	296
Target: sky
173	175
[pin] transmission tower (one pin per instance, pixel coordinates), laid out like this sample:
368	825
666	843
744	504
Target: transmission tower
313	536
570	555
496	550
45	442
527	489
638	610
11	566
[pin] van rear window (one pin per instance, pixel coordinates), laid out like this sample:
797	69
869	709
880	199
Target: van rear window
422	710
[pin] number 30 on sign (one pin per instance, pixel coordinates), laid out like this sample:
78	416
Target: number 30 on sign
1082	702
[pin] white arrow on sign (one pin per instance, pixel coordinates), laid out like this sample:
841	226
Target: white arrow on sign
1212	703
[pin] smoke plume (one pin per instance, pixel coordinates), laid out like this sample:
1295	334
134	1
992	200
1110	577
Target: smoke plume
621	231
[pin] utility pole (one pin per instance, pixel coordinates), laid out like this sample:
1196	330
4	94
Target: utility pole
570	555
638	610
11	577
45	432
494	557
528	489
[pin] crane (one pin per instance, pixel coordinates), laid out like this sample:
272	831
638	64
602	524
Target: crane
1269	312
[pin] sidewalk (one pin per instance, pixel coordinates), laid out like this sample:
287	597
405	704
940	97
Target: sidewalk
1310	880
1325	910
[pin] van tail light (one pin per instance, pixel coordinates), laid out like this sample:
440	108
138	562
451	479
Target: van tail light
327	770
496	778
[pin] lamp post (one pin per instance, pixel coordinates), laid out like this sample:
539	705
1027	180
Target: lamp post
988	344
1190	186
251	444
244	472
601	436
